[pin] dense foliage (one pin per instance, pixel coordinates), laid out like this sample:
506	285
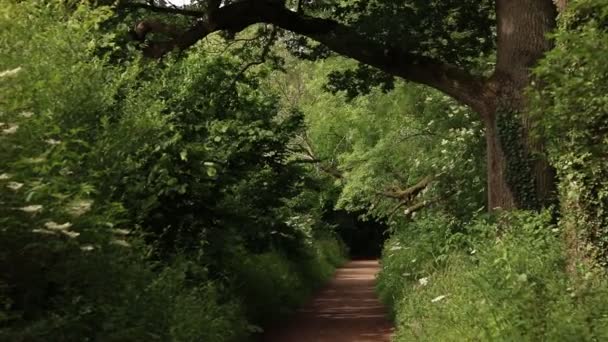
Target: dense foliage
450	271
522	275
571	107
473	286
144	200
189	198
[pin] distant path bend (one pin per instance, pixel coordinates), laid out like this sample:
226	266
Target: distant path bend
347	310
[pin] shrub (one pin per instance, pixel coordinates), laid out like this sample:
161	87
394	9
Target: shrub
272	285
514	287
125	186
571	107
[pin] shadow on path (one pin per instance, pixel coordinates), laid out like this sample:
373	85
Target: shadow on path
347	310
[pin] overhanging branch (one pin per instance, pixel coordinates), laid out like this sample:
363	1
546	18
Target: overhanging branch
166	10
340	38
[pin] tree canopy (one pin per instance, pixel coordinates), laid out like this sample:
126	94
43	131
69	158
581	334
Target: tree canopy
195	173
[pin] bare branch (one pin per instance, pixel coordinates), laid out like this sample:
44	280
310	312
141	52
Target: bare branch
411	192
419	206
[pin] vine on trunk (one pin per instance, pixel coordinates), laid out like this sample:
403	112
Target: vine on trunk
518	169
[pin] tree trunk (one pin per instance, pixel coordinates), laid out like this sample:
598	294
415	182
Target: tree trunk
499	192
518	175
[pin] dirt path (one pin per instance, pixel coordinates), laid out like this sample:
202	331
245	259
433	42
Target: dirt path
347	310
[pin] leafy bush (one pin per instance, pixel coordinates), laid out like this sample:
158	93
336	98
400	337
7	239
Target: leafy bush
571	105
273	285
514	287
131	195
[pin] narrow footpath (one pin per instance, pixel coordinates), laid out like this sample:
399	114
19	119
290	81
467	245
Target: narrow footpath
347	310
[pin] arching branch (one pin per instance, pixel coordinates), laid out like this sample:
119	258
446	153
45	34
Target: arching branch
342	39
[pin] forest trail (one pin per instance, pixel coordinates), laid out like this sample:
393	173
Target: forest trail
346	310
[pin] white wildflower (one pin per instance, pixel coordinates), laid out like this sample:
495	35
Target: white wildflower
87	248
70	234
26	115
65	172
56	226
437	299
52	142
121	231
80	207
122	243
43	231
36	160
12	129
444	142
14	186
5	176
31	208
522	278
10	72
423	281
555	230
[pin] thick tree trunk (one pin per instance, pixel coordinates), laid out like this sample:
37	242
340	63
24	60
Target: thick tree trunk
518	175
499	192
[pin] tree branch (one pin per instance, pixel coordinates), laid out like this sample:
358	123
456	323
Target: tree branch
419	206
311	158
265	50
165	10
340	38
411	192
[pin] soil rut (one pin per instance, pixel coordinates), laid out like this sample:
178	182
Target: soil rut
347	310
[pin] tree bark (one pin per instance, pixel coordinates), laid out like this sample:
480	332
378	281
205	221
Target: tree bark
500	195
518	174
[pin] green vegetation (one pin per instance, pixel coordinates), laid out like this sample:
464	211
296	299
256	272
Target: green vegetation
137	204
160	184
473	286
522	276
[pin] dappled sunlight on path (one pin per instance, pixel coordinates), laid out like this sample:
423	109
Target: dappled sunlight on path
347	310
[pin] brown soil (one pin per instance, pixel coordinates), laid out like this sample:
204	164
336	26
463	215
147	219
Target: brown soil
347	310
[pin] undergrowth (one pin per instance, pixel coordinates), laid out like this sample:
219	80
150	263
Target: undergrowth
504	280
